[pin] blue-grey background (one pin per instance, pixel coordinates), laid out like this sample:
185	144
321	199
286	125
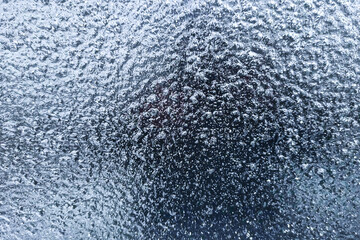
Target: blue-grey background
179	119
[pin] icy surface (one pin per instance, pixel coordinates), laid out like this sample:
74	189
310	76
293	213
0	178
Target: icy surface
179	119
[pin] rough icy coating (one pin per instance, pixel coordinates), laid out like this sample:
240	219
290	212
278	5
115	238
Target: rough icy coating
179	119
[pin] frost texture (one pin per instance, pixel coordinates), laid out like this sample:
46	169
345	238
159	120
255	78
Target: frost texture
179	119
